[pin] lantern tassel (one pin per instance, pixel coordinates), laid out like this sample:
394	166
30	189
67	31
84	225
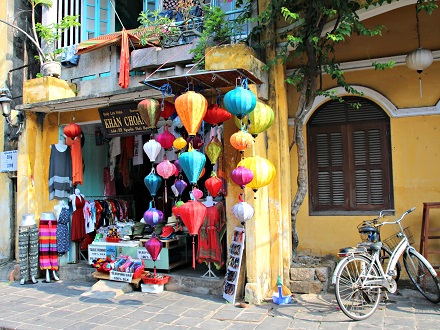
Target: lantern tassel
154	269
194	255
420	86
166	192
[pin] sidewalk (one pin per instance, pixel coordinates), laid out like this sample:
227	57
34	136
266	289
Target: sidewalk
69	305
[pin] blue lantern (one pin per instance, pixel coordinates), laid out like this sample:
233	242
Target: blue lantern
192	163
152	181
240	101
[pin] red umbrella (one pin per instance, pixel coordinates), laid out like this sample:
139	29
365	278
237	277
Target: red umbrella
124	61
192	214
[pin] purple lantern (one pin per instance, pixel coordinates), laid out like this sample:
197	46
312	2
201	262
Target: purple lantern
152	216
180	186
242	176
177	164
154	246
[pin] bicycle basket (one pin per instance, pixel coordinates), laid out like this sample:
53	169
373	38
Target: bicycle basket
392	241
368	233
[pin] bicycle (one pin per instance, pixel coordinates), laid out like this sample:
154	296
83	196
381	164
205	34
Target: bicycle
359	277
369	232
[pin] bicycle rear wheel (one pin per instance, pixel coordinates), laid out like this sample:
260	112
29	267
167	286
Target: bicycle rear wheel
421	277
358	302
384	257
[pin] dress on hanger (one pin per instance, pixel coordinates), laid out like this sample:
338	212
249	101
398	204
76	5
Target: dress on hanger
63	231
78	221
60	172
77	161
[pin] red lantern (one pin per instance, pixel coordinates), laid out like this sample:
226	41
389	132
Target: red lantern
193	214
213	184
241	140
72	130
191	108
168	109
149	110
215	115
166	139
154	246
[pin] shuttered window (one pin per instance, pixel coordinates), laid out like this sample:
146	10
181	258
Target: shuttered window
349	158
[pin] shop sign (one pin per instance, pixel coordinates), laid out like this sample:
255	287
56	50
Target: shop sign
9	161
123	120
143	254
121	276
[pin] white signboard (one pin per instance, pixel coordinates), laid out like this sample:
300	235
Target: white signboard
121	276
143	254
9	161
234	264
96	252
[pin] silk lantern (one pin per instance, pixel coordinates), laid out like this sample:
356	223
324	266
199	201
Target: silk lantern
154	246
166	139
176	209
152	181
242	211
241	140
177	164
213	184
258	120
264	171
152	149
166	169
153	216
72	130
239	101
149	110
191	108
196	141
179	143
197	193
213	150
215	115
167	109
180	186
192	163
193	214
242	176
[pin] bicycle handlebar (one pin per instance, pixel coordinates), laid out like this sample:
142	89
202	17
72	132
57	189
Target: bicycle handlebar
397	220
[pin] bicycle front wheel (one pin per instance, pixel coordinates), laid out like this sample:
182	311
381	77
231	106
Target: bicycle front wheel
421	277
356	300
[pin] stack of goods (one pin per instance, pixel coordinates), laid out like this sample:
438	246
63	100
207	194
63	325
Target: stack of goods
125	264
113	235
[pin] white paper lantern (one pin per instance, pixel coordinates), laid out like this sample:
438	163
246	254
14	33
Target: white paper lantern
243	211
152	149
419	59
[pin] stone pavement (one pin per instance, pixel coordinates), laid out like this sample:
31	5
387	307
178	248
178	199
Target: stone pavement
72	305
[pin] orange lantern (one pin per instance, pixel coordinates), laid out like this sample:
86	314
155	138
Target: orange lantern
72	130
213	150
241	140
149	110
191	108
264	171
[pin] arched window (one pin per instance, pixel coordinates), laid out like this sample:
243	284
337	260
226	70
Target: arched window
349	157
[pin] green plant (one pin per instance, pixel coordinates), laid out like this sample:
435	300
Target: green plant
50	33
155	26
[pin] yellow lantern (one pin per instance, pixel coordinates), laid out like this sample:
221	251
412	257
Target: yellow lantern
241	140
213	150
264	171
179	143
258	120
191	108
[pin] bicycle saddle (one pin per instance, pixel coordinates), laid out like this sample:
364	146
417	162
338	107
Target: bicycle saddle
371	246
349	250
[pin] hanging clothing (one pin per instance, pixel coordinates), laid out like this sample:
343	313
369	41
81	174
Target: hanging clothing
109	184
28	251
48	244
210	236
138	155
63	231
77	161
114	151
60	172
78	221
124	166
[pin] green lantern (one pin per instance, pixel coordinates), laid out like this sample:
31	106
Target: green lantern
258	120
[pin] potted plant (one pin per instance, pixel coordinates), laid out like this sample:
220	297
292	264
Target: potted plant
49	54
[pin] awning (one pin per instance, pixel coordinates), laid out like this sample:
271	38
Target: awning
203	80
114	39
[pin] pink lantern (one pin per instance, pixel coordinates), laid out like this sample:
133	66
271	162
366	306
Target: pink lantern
166	169
154	246
242	176
152	149
166	139
197	193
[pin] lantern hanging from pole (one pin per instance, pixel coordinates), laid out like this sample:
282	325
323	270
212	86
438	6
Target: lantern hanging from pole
197	193
242	211
258	120
180	143
215	115
152	181
193	214
154	246
264	171
180	186
72	130
191	108
192	163
241	140
242	176
177	164
240	101
166	139
152	149
419	60
153	216
213	184
166	169
213	150
167	109
149	110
